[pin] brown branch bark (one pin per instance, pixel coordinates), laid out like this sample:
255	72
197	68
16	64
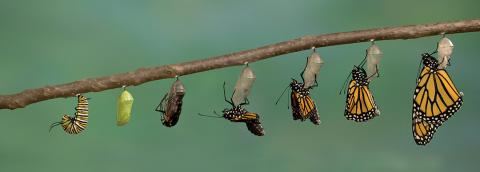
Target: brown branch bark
144	75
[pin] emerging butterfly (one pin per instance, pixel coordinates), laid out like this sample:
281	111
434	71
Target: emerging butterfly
239	114
303	106
434	101
360	105
171	104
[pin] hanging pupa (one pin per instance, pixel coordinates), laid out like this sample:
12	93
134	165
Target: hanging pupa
124	107
244	85
374	54
312	69
171	104
445	49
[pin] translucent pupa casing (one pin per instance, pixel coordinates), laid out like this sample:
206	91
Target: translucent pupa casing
172	105
244	85
124	108
312	69
445	50
374	55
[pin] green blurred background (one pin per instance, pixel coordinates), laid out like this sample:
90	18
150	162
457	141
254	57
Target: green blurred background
53	42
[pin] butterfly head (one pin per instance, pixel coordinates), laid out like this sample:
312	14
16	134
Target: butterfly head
429	61
296	86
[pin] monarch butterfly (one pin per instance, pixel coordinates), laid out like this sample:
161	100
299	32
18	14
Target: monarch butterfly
434	101
303	106
436	98
171	104
239	114
360	105
77	123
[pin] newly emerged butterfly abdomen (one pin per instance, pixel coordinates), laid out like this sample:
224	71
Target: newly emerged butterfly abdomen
171	104
374	55
445	50
244	85
315	118
255	127
77	123
312	69
124	107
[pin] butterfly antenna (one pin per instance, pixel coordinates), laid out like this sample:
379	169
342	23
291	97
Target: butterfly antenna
288	103
282	94
373	74
419	68
344	84
211	116
364	59
225	95
54	125
160	105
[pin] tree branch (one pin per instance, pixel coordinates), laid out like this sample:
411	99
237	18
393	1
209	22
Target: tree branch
144	75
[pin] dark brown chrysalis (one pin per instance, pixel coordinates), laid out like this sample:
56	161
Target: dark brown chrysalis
171	104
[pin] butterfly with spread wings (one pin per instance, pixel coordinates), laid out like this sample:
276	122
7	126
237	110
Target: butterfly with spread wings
434	101
360	105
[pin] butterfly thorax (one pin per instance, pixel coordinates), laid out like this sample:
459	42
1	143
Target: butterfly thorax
360	76
234	113
299	88
429	61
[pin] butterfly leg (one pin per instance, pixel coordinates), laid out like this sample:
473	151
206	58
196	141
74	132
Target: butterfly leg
247	102
160	107
316	83
225	95
376	69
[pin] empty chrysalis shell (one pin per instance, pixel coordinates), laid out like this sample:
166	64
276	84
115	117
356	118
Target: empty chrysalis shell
312	69
244	85
374	54
124	108
445	49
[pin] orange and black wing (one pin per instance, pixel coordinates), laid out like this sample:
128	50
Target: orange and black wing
360	105
249	116
436	98
303	106
423	131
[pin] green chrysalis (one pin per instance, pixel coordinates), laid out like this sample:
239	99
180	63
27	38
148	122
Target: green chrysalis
124	108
